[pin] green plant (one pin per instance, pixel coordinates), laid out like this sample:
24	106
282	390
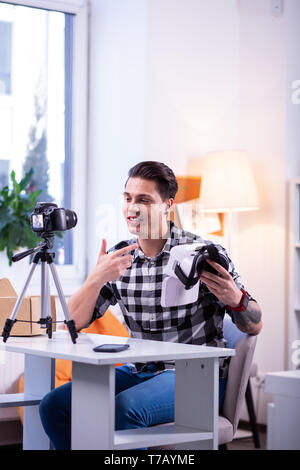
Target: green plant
16	204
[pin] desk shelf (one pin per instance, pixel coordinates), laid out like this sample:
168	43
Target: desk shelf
158	436
8	400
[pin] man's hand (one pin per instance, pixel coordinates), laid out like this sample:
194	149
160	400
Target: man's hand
225	289
222	285
110	266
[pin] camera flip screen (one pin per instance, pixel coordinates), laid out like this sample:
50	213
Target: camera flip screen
37	221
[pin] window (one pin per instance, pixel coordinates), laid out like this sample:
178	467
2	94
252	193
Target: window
43	106
5	57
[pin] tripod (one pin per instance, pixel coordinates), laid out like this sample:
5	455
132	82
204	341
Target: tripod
47	260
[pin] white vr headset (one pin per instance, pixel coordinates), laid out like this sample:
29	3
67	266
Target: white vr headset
183	271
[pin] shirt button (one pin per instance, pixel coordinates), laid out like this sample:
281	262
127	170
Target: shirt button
152	316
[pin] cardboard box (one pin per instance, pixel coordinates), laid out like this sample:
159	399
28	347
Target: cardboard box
29	310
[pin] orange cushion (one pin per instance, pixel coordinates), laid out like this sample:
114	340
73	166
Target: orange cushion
106	325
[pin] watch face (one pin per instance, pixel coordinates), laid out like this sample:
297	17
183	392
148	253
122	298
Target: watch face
245	301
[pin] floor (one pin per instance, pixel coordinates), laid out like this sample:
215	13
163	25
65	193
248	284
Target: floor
245	443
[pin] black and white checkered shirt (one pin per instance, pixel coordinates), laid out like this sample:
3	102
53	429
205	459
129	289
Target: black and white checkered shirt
138	293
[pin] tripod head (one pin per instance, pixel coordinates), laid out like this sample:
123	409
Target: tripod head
44	246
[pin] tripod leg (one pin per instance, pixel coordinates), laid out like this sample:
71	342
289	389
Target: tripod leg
49	295
49	318
12	319
49	327
44	303
46	319
69	322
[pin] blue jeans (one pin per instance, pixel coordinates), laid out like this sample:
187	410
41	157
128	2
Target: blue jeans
142	400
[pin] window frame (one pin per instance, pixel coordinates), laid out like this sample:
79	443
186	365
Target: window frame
73	275
10	78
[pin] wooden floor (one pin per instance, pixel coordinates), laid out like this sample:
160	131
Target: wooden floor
246	443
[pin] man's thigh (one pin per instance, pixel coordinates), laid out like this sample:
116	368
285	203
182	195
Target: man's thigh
150	401
125	379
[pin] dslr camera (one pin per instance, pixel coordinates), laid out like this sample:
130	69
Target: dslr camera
47	217
181	282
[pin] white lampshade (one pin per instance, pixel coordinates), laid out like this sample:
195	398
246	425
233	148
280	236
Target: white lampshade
228	183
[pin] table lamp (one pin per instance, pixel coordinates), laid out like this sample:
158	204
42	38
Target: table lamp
228	184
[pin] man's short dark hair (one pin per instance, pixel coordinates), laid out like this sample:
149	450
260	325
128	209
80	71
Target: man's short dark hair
160	173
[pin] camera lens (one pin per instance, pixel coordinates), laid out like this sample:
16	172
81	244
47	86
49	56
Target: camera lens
71	219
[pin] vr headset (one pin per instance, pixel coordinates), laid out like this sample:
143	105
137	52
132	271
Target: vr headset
183	271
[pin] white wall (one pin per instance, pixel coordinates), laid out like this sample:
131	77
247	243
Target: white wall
192	81
292	15
262	135
164	86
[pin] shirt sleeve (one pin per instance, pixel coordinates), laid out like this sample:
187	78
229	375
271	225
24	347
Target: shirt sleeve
105	298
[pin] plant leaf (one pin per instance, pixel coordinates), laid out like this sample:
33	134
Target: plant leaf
16	186
15	207
26	180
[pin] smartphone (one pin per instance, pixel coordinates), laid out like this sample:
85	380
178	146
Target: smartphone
111	347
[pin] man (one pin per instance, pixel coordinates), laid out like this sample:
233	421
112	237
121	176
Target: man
132	276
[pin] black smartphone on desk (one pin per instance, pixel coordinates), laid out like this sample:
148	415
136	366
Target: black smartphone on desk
111	347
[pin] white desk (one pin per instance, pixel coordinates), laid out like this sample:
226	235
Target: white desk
93	391
284	412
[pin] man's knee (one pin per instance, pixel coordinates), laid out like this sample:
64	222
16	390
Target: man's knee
127	416
46	408
55	404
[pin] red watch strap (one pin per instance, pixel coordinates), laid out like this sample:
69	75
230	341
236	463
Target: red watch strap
240	307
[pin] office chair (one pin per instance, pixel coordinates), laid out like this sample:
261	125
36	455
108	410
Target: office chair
250	408
238	378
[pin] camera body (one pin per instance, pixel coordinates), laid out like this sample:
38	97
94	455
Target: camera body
47	217
181	284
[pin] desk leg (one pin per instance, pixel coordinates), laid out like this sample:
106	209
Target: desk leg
93	406
196	399
39	376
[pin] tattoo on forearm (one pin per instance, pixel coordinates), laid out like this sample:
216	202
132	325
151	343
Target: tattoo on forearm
251	315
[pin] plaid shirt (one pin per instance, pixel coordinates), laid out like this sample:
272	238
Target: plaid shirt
138	293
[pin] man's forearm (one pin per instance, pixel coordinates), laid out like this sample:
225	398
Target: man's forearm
81	305
249	321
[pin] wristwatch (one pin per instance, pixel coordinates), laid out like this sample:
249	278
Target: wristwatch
243	303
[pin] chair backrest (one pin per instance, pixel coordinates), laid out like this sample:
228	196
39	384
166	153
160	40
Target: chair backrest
239	370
